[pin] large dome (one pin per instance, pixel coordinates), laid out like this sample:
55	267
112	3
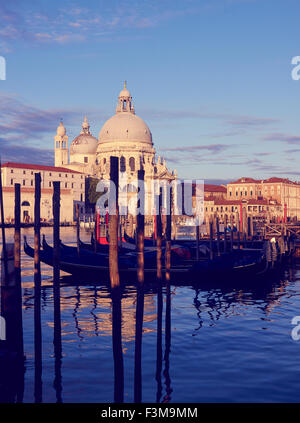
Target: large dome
85	143
125	126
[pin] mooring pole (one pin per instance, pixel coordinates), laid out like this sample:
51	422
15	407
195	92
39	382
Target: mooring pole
231	233
211	239
168	237
225	233
37	228
11	325
77	229
218	236
140	220
56	242
239	240
95	230
113	224
6	275
56	290
159	238
17	235
37	292
197	241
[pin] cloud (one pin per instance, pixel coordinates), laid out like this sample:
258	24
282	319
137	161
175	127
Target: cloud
24	129
26	154
290	139
213	148
73	23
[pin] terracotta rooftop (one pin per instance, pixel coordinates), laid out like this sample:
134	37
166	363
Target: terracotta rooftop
251	201
246	181
214	188
38	167
272	180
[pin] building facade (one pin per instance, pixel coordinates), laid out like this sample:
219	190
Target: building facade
72	191
282	191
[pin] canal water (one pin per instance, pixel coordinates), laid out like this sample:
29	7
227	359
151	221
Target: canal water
219	341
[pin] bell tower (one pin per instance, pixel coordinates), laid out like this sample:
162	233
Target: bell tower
61	146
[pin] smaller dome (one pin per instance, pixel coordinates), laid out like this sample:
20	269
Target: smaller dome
61	130
85	143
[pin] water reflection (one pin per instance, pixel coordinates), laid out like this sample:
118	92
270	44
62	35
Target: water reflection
118	328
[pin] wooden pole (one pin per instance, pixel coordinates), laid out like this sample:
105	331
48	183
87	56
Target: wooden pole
11	295
56	242
168	238
95	230
225	233
56	290
239	240
77	229
37	293
211	239
140	219
17	235
197	242
113	225
159	238
218	236
6	275
231	233
37	227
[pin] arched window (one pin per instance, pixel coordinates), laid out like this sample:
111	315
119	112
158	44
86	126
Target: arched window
132	164
122	164
25	203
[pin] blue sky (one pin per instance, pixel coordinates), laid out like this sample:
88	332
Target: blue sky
212	79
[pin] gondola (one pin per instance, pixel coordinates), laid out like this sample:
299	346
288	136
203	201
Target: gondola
241	263
147	241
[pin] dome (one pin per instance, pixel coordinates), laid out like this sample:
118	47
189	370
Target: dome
125	126
85	143
61	130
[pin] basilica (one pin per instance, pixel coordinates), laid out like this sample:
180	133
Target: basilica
125	135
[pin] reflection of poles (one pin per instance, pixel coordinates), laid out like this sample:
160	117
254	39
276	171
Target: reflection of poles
56	293
159	343
138	345
117	345
167	397
37	294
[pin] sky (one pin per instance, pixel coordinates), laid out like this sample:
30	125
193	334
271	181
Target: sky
211	78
